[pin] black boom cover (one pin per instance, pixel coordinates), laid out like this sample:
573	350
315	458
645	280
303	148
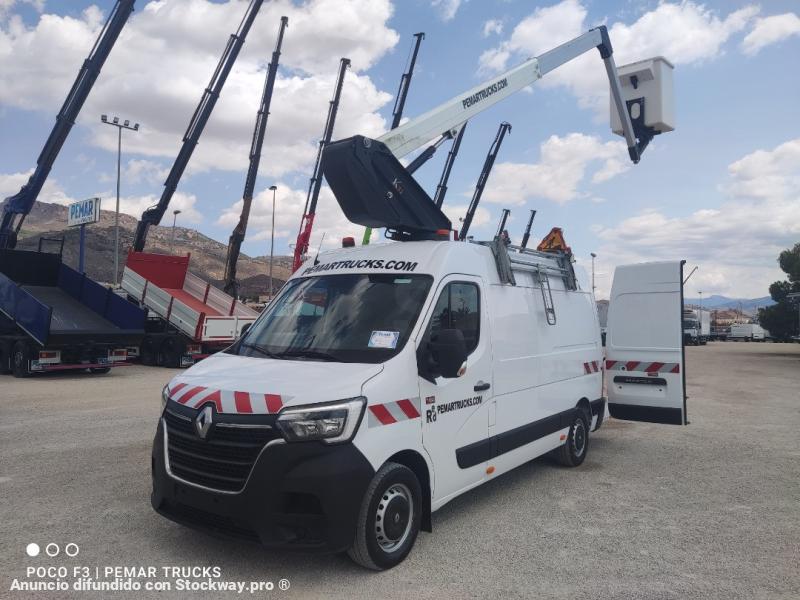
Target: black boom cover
375	190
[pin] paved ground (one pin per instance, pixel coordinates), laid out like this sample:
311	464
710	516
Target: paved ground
706	511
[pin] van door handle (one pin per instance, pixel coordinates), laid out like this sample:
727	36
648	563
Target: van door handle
481	386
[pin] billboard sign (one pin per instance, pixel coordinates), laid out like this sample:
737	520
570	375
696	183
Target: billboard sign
83	212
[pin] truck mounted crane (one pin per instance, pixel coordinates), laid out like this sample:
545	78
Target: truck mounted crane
367	177
310	210
18	206
230	285
441	188
400	102
483	178
154	214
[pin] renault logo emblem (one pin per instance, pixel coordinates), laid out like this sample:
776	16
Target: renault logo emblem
203	421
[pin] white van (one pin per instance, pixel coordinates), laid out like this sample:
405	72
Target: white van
385	380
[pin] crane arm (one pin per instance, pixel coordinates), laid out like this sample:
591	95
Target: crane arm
230	286
310	210
483	178
153	215
16	207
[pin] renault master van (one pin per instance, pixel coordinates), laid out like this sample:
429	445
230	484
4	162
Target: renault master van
385	380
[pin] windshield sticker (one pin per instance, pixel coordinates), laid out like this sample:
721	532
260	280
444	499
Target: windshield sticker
389	265
384	339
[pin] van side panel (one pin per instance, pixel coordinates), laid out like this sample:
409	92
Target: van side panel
541	371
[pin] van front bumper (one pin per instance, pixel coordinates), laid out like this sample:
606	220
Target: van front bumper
304	496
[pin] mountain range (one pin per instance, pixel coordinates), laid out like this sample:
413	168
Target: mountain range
748	305
49	222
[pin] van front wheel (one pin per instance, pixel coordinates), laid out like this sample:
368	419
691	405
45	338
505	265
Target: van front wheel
574	451
389	519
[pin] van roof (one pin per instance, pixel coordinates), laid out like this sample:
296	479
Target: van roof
424	257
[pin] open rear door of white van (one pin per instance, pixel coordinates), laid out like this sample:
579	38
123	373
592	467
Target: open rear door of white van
644	344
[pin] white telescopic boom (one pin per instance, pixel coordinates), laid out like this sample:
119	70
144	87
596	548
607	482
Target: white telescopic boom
446	118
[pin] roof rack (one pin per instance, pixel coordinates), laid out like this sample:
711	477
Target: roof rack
509	257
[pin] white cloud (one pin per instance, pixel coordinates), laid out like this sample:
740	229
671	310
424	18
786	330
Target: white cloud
770	30
685	33
10	184
136	205
561	170
165	57
492	27
735	245
447	8
289	204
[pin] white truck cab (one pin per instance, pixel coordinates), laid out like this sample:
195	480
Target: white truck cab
385	380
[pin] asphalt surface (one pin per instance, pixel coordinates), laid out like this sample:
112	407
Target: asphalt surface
711	510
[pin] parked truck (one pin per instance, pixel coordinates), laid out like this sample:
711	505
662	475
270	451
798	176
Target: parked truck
54	318
696	326
188	318
747	332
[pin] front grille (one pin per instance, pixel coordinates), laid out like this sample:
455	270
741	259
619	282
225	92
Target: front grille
223	460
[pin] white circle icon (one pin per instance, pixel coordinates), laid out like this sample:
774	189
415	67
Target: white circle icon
71	549
32	549
52	549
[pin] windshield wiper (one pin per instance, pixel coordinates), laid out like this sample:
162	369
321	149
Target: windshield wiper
313	354
261	349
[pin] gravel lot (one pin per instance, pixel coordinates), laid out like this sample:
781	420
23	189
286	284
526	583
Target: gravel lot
706	511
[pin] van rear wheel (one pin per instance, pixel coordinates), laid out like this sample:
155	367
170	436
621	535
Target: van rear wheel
573	452
389	520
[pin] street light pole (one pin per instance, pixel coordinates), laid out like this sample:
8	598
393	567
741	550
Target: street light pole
274	188
593	286
120	126
175	214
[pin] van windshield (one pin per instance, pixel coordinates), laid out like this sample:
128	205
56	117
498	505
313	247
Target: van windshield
341	318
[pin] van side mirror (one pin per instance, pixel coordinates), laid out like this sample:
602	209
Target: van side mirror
244	329
447	352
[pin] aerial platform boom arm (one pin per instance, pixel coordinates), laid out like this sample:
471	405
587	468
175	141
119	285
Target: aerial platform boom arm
451	114
20	204
153	215
230	286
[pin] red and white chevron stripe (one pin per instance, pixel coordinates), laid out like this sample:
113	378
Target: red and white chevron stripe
642	366
592	367
226	401
393	412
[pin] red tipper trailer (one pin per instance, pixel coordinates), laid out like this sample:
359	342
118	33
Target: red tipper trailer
188	317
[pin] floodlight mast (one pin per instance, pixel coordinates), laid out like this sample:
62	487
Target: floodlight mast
154	214
18	206
231	286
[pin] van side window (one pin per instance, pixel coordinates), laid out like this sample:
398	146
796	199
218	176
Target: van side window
458	307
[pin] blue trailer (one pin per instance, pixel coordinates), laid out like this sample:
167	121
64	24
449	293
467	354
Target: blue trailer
54	318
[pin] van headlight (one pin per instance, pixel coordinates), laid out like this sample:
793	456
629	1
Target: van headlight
331	423
164	396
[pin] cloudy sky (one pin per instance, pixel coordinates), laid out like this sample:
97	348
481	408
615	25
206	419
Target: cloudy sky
722	191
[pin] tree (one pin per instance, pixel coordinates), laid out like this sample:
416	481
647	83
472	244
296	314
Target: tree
781	319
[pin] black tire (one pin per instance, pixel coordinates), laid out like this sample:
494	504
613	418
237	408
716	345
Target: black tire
170	352
394	496
5	357
100	370
574	451
20	357
147	351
